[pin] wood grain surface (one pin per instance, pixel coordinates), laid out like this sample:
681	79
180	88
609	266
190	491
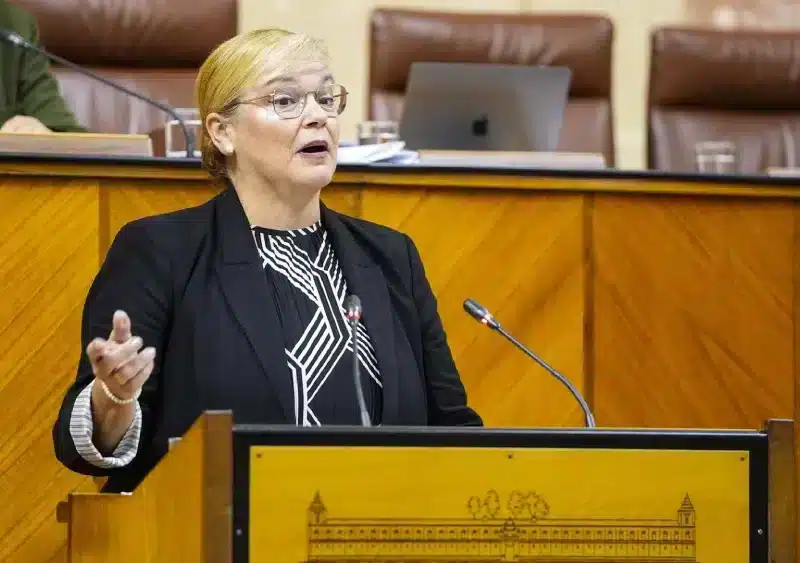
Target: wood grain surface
693	311
523	258
669	303
186	525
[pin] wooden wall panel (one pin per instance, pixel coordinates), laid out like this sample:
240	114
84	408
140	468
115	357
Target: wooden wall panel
693	311
521	257
666	310
48	244
796	390
344	198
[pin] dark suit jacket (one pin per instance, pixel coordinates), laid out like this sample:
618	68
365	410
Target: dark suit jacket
193	285
26	85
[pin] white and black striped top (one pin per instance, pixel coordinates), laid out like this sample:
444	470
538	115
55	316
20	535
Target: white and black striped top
309	289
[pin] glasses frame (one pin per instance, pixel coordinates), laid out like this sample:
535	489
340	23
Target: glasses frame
301	106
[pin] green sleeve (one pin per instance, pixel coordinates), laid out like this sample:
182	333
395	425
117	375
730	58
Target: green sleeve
38	91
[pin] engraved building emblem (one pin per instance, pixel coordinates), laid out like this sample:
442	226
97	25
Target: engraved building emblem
518	528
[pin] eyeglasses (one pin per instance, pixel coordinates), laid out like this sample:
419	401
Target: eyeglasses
289	103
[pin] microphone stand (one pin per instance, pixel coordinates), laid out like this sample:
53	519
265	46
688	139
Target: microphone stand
19	41
588	416
353	310
482	315
362	403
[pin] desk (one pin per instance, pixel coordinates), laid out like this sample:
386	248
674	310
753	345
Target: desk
669	301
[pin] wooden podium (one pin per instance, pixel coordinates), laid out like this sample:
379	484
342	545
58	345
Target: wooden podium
285	494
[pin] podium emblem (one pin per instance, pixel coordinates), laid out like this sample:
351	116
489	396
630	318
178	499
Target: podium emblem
494	529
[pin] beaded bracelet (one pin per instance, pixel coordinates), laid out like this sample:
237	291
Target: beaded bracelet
116	399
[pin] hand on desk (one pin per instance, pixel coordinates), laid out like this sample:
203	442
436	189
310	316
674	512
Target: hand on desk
24	124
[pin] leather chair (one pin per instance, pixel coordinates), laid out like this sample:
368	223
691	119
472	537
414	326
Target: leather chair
741	87
152	46
583	43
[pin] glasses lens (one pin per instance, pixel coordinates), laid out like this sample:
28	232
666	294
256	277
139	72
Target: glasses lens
287	103
290	103
332	98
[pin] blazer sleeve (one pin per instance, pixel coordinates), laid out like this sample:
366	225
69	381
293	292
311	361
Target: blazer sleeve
447	398
39	94
135	277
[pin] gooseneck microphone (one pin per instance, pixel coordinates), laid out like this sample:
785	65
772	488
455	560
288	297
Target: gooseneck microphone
352	305
19	41
482	315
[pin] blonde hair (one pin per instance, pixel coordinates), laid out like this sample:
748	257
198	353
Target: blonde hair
236	65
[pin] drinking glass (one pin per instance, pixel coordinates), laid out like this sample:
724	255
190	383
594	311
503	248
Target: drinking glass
174	140
374	132
715	157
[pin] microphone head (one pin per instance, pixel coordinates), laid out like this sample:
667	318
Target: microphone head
12	37
480	313
352	305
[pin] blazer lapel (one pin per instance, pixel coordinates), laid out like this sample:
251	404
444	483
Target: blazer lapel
365	279
245	288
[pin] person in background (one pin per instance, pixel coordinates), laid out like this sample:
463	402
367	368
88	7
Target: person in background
240	303
30	101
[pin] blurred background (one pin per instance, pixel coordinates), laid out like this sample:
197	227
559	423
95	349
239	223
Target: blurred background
155	46
345	26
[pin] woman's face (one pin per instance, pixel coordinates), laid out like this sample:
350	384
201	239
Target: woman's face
285	131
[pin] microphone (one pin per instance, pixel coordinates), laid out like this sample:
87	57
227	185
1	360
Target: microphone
482	315
18	41
352	305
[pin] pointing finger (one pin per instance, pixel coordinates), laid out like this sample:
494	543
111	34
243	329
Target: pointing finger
121	331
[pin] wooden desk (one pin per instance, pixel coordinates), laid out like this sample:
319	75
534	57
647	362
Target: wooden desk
669	301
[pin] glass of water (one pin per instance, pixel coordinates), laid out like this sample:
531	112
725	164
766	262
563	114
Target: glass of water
374	132
715	157
175	140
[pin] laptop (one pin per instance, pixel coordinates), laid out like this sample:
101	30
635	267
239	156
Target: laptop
484	107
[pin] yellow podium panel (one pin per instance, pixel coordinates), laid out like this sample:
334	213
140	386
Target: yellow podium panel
414	504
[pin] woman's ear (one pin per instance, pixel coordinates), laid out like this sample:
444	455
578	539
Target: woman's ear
221	133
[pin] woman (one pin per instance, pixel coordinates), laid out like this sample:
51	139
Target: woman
239	303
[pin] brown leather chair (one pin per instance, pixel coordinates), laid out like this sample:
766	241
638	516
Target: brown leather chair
152	46
740	87
582	43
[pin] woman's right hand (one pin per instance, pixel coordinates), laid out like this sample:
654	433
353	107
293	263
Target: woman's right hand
119	361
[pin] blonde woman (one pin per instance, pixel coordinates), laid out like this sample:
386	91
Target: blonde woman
239	303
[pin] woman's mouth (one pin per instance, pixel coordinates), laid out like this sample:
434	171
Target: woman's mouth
314	148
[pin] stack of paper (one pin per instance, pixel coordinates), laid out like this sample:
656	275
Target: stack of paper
392	152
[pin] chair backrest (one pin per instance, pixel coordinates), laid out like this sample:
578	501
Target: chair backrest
152	46
583	43
740	87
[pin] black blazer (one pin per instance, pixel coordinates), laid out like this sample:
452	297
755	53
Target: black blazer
193	285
